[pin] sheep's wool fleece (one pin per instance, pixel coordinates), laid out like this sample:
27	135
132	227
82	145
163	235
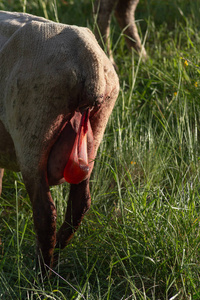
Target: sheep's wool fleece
32	45
48	70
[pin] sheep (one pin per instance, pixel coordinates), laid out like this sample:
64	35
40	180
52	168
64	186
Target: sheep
58	89
125	15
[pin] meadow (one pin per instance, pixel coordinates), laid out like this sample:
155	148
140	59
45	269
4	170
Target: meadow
140	239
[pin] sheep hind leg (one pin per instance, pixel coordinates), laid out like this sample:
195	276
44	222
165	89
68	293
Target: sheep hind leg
78	204
103	10
125	15
44	215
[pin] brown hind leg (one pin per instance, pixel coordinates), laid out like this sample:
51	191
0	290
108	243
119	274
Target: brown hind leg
125	15
78	204
44	215
103	10
79	197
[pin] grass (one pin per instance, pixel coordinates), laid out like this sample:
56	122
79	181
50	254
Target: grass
140	239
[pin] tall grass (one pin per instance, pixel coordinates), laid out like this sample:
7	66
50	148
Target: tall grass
140	239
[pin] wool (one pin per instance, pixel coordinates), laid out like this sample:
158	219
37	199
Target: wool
50	75
48	70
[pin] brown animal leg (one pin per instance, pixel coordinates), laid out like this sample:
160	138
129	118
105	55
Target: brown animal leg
1	178
44	215
79	197
78	204
125	15
103	10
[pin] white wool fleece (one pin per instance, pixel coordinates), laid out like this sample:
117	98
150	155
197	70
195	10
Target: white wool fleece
47	71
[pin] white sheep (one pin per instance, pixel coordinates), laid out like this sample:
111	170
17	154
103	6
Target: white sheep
58	89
